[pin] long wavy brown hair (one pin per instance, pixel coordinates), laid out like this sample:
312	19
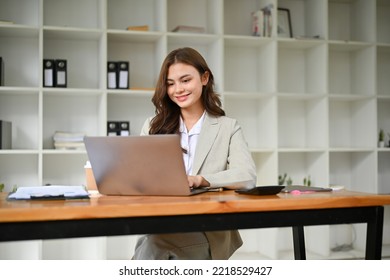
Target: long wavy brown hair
167	118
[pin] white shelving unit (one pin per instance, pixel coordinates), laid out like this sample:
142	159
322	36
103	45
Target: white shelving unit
308	107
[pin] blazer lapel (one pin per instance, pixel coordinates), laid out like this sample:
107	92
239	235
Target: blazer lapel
206	139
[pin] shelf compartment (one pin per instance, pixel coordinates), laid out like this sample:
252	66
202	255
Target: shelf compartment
72	13
351	69
301	67
257	120
383	70
351	20
82	55
383	119
302	124
13	165
71	113
238	15
20	57
64	169
301	164
249	65
383	21
308	18
201	13
123	13
352	124
128	107
144	57
23	12
383	172
356	171
21	109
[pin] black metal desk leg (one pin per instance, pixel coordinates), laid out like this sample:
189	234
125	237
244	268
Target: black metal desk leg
299	243
375	235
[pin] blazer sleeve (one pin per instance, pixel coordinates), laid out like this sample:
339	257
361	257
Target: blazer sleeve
146	127
229	162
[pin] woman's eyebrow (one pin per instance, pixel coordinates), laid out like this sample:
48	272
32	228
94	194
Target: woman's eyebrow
181	77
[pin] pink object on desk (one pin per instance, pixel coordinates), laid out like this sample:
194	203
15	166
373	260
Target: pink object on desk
296	192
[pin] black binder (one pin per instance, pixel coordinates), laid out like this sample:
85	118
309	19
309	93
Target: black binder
112	128
124	128
60	75
123	75
112	74
118	128
48	72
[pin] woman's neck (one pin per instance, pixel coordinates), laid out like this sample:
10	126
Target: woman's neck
190	117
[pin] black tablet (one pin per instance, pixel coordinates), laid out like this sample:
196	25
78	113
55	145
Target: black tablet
261	190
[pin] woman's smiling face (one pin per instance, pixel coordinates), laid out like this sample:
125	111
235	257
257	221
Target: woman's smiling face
185	85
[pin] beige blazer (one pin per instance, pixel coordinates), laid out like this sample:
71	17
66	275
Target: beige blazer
222	157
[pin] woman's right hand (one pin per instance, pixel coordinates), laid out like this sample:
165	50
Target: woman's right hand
197	181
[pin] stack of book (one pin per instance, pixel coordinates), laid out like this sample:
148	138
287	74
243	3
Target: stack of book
138	28
68	140
262	22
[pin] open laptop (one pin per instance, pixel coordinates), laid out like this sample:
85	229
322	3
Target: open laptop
139	165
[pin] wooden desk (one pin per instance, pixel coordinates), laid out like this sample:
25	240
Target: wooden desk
121	215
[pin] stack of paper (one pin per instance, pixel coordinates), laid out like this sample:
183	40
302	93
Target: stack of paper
49	192
69	140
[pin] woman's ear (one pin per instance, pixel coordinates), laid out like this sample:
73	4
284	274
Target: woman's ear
205	78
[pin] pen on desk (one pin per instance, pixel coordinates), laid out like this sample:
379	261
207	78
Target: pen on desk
210	189
215	189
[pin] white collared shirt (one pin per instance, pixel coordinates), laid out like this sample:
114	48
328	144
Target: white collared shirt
189	139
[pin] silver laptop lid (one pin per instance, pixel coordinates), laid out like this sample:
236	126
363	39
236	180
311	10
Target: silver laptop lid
138	165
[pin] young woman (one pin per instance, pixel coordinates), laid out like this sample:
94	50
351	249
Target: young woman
215	152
